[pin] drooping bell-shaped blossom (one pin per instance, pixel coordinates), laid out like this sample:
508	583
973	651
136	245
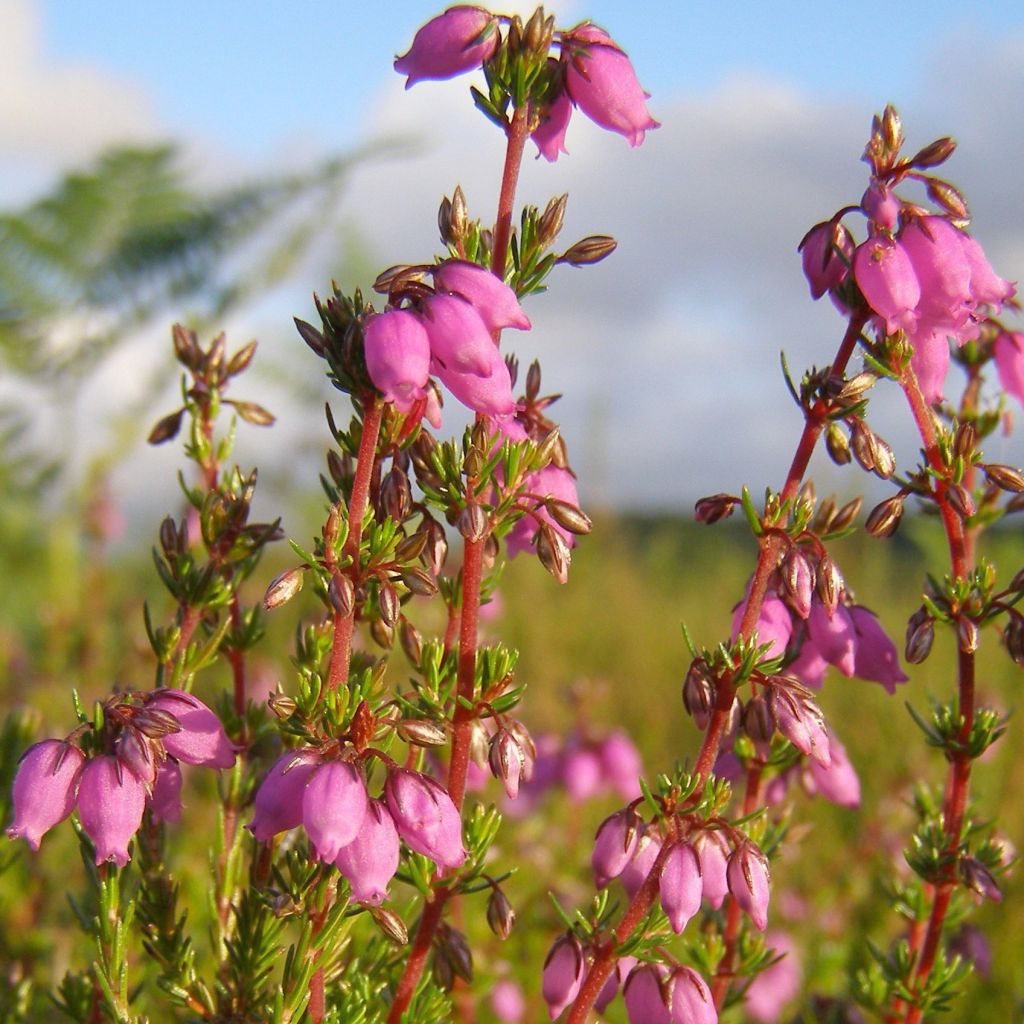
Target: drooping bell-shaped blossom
838	782
615	981
494	301
44	789
635	873
1009	357
508	1004
202	739
563	974
459	339
165	800
881	205
887	280
489	393
776	986
370	861
425	816
278	803
614	846
110	804
834	636
690	998
397	351
747	874
800	720
987	287
935	250
875	655
809	666
643	995
681	886
549	135
774	624
601	81
621	763
713	853
930	360
138	753
550	482
824	267
459	40
333	807
582	774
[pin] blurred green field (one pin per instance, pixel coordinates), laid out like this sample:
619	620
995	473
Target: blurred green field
607	647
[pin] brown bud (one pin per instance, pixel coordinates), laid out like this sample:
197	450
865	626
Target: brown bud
885	517
949	197
837	445
473	463
892	128
965	440
390	606
855	387
533	380
960	500
459	218
216	354
830	585
698	694
533	34
455	949
241	359
847	514
383	635
862	447
444	222
935	153
479	744
553	552
589	250
500	916
883	458
548	448
336	467
568	516
419	582
186	346
1013	636
473	523
281	705
396	494
978	877
283	588
1004	477
167	429
551	219
312	337
967	635
169	536
714	507
253	413
409	549
155	722
390	924
422	732
342	595
920	636
824	516
437	545
758	720
412	644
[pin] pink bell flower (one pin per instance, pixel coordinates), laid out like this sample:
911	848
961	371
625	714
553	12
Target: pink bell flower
601	81
459	339
930	360
425	816
681	886
165	800
333	807
507	1001
489	393
621	764
774	624
636	871
643	996
713	853
582	773
935	250
886	277
278	803
397	351
370	861
44	789
1009	356
747	874
202	739
494	301
550	482
617	978
614	846
549	135
875	655
838	782
801	722
987	287
768	994
824	267
690	998
834	636
563	974
459	40
110	805
881	205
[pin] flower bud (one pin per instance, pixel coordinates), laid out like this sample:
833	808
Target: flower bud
713	853
459	40
885	517
389	604
747	875
614	845
837	445
165	800
846	515
506	761
136	752
473	523
391	925
1014	637
798	579
1004	477
589	250
690	998
960	500
978	877
201	739
334	804
830	584
698	694
425	816
422	732
920	635
553	552
563	974
934	153
713	508
644	997
758	720
341	593
370	861
110	805
278	803
967	635
501	918
283	588
680	886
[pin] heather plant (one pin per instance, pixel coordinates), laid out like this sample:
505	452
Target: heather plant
351	862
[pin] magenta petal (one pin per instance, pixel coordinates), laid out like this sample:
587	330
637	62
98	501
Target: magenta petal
876	658
459	40
614	846
930	360
774	624
834	636
987	287
44	789
370	861
643	997
563	974
459	338
886	277
549	482
775	986
165	800
747	874
935	250
278	803
681	886
691	999
636	871
490	394
494	301
1009	354
549	135
397	352
713	854
110	805
838	783
425	816
621	763
333	807
202	739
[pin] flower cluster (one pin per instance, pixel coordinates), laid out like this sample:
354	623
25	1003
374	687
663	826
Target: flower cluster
133	764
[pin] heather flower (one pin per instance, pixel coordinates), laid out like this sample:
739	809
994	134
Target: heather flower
601	81
680	886
494	301
581	773
837	782
425	816
800	720
645	1002
44	789
459	40
202	739
775	986
507	1002
875	655
774	625
614	846
713	854
549	135
278	803
824	267
549	482
747	875
563	974
397	351
370	861
986	287
165	800
834	636
508	761
489	393
459	339
690	998
110	805
1009	356
887	280
881	205
620	761
635	873
623	966
333	807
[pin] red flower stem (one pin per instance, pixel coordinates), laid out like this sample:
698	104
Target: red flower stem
433	911
959	773
640	905
341	648
518	133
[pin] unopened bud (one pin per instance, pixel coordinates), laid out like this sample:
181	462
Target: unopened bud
155	722
412	645
479	744
885	517
390	924
855	387
892	128
960	500
551	219
312	337
169	536
862	447
798	579
473	523
846	515
978	877
390	606
837	445
1013	636
505	759
553	552
967	635
714	507
383	635
589	250
396	494
883	458
241	359
935	153
186	346
547	450
949	197
419	582
254	413
920	636
455	949
422	732
283	588
965	440
342	595
533	380
167	429
830	583
698	694
500	916
758	720
281	705
569	516
1004	477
